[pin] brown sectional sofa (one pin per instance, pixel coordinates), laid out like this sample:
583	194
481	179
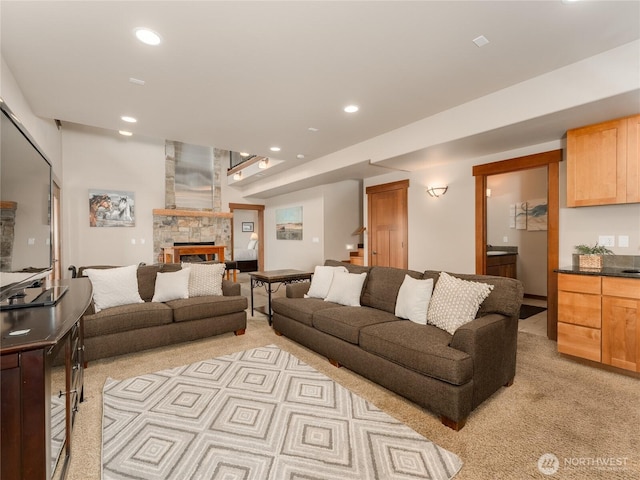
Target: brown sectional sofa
448	374
132	328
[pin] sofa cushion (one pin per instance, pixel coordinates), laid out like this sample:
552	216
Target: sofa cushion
114	286
504	299
455	302
205	278
421	348
346	322
413	299
300	309
383	284
196	308
126	317
321	280
346	288
172	285
147	280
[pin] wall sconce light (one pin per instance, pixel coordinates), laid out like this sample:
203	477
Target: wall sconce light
437	191
237	176
263	163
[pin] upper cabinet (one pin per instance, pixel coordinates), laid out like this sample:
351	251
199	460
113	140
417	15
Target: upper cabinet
603	163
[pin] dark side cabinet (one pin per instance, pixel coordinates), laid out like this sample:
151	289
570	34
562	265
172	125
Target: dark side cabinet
41	384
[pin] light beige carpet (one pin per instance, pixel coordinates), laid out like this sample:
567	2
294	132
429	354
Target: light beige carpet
588	418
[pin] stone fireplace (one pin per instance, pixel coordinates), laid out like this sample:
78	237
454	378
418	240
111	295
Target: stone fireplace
175	223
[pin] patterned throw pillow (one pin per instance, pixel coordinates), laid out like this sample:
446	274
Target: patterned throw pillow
455	302
205	279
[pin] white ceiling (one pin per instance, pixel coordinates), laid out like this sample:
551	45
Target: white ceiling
245	76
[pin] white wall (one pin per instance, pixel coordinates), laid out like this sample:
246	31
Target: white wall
102	159
44	131
508	189
584	224
330	214
341	218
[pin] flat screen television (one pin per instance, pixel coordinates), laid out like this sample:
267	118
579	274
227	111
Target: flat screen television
25	201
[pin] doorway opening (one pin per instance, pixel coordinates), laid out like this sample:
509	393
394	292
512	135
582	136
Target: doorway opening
551	161
255	231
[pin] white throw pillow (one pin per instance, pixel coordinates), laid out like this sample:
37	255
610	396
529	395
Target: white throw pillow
413	299
171	285
205	279
346	288
455	302
321	281
114	286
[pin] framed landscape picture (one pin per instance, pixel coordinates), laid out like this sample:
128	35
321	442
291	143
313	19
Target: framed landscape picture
247	226
289	223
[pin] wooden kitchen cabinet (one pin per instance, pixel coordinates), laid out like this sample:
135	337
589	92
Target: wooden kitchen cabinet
579	316
599	319
502	266
621	323
603	163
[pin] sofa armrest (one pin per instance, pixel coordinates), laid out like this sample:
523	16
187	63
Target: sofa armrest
491	341
230	289
298	290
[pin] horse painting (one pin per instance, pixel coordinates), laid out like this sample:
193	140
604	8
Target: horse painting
111	209
96	203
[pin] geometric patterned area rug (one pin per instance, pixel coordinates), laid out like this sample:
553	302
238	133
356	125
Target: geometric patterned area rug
257	414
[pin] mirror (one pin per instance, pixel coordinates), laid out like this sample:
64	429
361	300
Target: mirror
25	192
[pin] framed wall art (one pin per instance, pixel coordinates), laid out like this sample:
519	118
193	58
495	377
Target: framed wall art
111	208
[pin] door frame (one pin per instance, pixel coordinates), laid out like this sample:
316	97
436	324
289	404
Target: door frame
551	160
260	209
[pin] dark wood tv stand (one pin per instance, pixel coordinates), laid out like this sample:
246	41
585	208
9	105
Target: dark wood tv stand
55	336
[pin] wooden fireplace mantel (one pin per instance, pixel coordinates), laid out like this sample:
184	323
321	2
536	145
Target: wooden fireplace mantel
173	212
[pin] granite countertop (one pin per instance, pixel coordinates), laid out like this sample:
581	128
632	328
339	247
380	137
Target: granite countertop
603	272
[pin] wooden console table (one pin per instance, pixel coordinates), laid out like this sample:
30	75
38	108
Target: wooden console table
32	395
173	254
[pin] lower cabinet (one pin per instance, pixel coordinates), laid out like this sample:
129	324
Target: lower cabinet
599	319
621	323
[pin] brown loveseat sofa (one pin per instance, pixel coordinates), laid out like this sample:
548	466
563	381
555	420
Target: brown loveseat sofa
140	326
447	374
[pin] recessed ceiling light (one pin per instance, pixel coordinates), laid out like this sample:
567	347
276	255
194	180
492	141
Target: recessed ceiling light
147	36
244	154
136	81
351	108
126	118
480	41
300	156
275	149
125	133
312	129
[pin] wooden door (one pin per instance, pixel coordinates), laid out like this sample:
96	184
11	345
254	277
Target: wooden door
388	224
